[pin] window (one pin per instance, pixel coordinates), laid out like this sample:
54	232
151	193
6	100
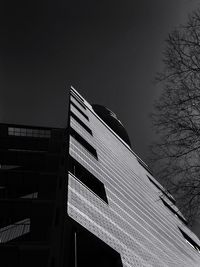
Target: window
75	94
28	132
81	123
31	195
190	241
15	230
165	192
87	178
79	101
89	250
172	210
79	110
83	142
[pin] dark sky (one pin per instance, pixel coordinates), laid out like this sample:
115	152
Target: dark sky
109	51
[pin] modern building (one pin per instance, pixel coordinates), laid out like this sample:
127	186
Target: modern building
31	171
80	196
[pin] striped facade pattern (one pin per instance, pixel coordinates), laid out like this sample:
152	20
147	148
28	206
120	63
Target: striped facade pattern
134	222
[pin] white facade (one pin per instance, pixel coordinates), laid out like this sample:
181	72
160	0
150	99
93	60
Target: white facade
135	222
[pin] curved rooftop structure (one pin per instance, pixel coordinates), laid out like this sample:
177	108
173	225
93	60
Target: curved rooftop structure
112	121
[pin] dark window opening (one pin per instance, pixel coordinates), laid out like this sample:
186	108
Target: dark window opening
80	111
79	101
87	178
81	123
90	251
190	241
83	142
165	192
172	210
74	93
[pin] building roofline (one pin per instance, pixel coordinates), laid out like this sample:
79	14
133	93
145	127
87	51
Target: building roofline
116	135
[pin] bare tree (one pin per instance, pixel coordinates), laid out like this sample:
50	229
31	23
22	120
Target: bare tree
176	118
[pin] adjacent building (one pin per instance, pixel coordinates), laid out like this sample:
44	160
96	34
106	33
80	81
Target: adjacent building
31	171
80	196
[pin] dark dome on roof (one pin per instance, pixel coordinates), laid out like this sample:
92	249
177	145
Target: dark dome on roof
112	121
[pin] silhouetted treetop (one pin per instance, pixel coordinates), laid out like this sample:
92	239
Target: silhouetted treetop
176	117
